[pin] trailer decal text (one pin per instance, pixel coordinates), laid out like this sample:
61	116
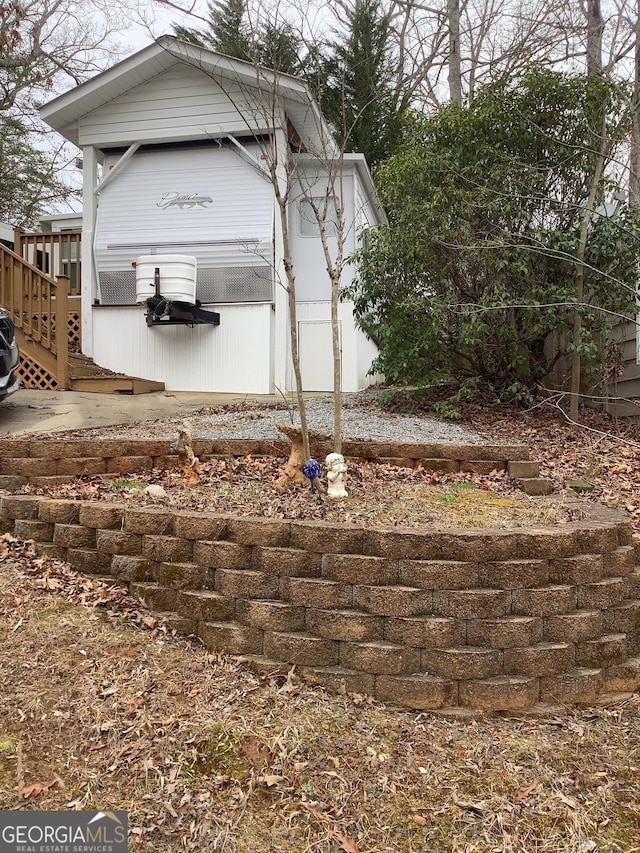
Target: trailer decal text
184	200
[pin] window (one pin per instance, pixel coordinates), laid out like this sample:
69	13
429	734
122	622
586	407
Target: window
308	220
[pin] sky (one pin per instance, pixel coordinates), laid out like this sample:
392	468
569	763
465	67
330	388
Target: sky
152	21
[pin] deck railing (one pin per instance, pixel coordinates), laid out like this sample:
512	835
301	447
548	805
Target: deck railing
35	301
56	254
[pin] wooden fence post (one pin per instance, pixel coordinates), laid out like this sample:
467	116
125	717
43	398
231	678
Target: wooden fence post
62	332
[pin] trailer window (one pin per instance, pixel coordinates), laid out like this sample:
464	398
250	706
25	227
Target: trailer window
309	221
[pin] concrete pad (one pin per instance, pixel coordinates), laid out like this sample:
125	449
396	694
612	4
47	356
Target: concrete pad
29	411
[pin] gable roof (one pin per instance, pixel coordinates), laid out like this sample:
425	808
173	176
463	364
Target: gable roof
64	113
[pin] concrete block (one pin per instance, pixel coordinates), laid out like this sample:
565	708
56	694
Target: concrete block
206	606
580	686
358	569
39	531
182	576
514	574
231	638
222	555
502	693
418	692
541	659
301	649
428	632
438	574
378	657
505	632
116	542
246	584
74	536
167	549
204	526
264	532
149	520
463	663
601	595
349	625
104	516
287	562
392	600
573	627
59	511
471	603
317	593
274	616
545	601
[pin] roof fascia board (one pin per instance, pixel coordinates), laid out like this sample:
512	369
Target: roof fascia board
238	70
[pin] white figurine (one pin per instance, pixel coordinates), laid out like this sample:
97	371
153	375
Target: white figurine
336	475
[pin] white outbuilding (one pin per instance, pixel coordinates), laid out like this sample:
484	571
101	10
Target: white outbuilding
180	146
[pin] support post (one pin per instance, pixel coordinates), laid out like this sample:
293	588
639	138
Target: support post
62	332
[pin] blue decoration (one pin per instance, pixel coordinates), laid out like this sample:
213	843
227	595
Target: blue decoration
311	469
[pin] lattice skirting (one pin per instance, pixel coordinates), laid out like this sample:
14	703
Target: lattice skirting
34	376
74	327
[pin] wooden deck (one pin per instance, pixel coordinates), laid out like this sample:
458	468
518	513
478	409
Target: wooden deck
37	294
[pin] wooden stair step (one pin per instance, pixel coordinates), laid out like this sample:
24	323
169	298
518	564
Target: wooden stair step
115	384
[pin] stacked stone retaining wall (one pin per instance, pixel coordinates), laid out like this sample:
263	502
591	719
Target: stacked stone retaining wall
492	620
26	461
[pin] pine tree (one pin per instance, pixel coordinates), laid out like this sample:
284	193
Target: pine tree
359	98
229	31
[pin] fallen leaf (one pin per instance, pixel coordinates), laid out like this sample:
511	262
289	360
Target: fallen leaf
478	808
37	788
524	793
346	844
568	801
270	780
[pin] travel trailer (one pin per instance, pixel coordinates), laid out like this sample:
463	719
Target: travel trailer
184	253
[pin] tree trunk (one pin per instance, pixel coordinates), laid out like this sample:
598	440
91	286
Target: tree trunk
576	365
293	319
595	27
634	154
455	73
337	367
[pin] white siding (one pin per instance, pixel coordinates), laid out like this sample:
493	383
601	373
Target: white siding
312	280
183	103
315	342
231	227
233	357
316	352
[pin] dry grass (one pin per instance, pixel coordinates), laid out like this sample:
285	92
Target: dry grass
101	707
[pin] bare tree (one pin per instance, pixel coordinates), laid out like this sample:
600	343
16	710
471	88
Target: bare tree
455	72
595	29
49	45
46	46
309	169
634	153
595	188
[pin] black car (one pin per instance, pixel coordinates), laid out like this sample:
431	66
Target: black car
9	356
